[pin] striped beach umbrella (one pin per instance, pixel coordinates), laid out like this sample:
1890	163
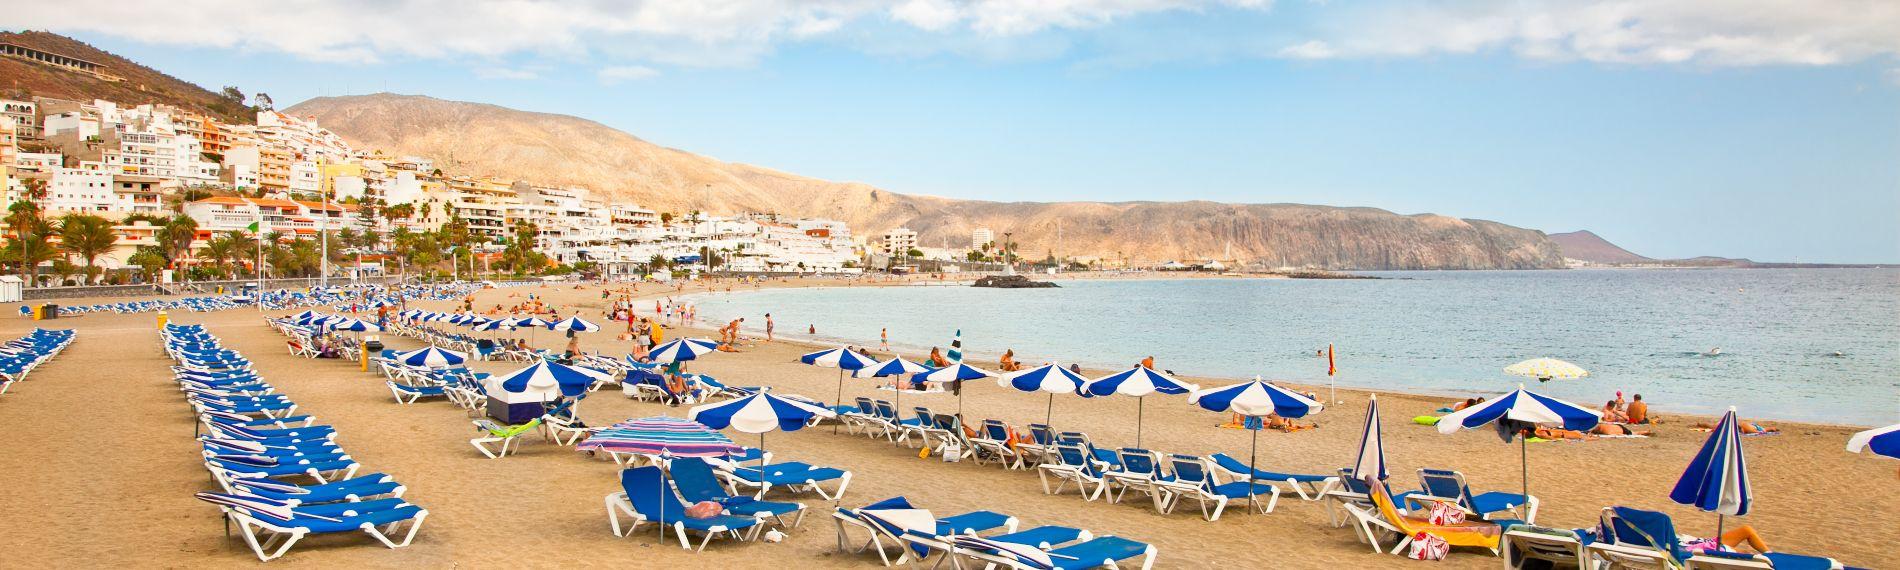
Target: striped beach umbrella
496	325
528	322
1371	458
758	413
682	349
1255	398
550	379
1138	382
661	435
956	347
895	367
576	324
956	373
1546	369
1049	378
352	325
1717	478
841	358
1521	410
1881	441
431	357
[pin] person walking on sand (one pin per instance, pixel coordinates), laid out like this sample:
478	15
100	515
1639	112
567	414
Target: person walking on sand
768	327
884	339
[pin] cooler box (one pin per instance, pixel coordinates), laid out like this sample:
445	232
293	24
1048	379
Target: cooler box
49	311
514	413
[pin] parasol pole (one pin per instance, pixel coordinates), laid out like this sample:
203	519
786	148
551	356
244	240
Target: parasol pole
1140	407
1253	455
1049	412
834	425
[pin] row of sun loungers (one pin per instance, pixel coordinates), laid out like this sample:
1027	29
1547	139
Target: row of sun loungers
652	494
1633	538
18	357
281	476
985	537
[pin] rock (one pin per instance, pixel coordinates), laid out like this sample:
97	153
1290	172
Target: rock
1012	282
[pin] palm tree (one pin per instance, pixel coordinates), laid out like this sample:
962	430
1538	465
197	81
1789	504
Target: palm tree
176	237
217	250
29	247
88	237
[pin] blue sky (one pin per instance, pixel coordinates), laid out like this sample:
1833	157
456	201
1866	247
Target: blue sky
1768	129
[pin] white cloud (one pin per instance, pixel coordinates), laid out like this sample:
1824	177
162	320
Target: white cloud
506	73
623	73
931	15
1706	32
741	32
1311	49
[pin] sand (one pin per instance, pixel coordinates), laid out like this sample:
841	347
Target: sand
99	464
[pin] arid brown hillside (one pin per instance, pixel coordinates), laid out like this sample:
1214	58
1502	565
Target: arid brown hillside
141	84
488	140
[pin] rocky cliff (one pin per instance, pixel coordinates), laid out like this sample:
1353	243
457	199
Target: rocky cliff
489	140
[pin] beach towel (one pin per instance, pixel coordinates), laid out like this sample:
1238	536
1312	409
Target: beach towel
1425	420
1426	546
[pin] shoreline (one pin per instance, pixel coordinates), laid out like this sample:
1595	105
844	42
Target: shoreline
1093	369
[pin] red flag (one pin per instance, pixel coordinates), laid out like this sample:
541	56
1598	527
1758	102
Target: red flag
1331	368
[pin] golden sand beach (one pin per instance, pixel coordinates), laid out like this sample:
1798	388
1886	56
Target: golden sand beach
99	466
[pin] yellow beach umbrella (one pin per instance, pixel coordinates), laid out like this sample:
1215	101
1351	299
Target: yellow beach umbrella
1544	369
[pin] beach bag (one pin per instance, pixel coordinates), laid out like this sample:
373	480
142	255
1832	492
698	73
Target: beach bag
1444	514
952	452
1428	547
703	510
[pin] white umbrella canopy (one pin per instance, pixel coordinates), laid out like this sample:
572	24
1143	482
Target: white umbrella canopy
1546	369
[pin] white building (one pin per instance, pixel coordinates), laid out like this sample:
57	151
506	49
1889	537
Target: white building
981	237
898	241
305	178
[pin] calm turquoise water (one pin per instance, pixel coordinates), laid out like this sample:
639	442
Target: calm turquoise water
1641	331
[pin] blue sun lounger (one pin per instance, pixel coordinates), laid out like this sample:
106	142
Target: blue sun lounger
645	497
372	486
696	483
272	527
1191	479
1308	487
911	543
1103	552
1628	537
793	476
1448	485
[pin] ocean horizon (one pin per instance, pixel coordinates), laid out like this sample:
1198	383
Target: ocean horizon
1811	345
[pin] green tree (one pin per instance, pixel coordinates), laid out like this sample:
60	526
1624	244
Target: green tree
150	260
217	250
400	211
88	237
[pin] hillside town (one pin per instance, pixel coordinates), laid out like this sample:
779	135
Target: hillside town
105	193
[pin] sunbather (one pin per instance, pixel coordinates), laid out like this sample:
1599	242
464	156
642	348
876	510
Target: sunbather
1747	427
1607	428
1638	412
1613	413
1559	433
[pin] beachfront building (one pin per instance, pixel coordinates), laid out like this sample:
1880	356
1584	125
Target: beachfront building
898	242
289	217
981	238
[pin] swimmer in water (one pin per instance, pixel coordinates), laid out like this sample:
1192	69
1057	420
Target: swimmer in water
1717	351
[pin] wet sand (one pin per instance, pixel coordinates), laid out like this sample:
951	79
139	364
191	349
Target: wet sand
100	464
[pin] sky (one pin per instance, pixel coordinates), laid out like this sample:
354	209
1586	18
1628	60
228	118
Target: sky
1765	129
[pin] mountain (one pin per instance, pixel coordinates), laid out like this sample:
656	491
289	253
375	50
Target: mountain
1587	246
22	79
488	140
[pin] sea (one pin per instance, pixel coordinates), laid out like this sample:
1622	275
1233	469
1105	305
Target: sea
1814	345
